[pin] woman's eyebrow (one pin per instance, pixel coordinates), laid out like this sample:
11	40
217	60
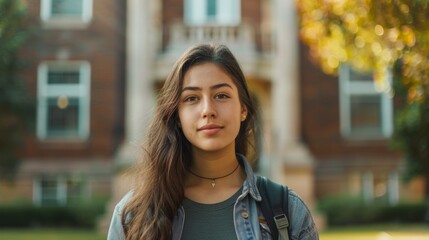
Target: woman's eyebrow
217	86
190	88
220	85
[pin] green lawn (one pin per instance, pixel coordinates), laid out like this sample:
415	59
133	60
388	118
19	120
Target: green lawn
388	232
50	234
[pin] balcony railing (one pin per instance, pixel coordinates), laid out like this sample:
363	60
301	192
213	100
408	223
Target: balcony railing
238	38
251	47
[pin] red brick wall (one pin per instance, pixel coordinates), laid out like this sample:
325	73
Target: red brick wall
102	45
321	117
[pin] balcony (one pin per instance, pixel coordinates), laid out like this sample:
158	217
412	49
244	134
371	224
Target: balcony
241	39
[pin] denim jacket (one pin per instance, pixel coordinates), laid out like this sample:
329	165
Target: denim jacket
248	219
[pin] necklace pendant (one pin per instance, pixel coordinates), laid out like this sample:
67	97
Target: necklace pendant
213	183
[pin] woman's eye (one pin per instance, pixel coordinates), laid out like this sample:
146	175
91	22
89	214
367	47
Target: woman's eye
221	96
190	99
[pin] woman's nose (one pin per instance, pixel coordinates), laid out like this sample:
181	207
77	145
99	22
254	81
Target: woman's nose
209	110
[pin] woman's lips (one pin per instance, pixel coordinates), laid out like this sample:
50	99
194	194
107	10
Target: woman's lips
210	129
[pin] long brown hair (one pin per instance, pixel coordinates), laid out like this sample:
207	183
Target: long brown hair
158	194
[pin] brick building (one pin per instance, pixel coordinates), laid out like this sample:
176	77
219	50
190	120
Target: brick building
321	134
75	70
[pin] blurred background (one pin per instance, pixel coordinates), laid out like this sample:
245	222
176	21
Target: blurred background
342	89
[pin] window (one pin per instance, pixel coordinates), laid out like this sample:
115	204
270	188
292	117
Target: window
381	186
222	12
364	112
66	11
63	100
58	190
211	8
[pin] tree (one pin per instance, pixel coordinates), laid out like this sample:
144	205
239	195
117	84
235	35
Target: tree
412	131
15	106
370	35
379	35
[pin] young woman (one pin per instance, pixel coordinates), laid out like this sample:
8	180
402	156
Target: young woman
194	181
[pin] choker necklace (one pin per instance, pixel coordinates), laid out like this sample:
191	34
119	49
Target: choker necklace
214	179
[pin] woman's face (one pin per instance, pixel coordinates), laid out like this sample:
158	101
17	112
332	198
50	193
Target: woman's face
210	111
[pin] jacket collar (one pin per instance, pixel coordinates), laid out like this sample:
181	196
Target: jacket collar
249	185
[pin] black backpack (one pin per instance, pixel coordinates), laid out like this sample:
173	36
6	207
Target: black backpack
274	206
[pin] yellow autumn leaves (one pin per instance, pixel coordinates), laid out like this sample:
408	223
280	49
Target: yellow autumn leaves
370	35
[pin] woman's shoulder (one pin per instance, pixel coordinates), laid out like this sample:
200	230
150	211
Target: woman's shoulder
121	204
300	218
116	230
296	202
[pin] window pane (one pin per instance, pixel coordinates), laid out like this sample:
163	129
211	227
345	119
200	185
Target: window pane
67	7
360	76
49	192
63	117
218	12
63	77
211	8
366	115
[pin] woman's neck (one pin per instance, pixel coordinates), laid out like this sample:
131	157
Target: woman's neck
213	164
213	177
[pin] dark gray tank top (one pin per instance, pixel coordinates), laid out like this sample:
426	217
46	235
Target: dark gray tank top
209	221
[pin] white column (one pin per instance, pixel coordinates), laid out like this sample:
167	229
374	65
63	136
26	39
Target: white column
292	164
140	55
287	147
285	79
139	95
393	188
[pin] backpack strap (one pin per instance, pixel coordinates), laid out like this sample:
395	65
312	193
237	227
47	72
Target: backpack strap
274	206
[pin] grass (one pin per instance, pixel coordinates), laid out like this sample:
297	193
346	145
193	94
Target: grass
50	234
382	232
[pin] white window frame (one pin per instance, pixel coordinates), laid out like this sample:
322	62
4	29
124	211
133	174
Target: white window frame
66	21
393	187
62	196
368	186
228	12
61	193
80	91
349	88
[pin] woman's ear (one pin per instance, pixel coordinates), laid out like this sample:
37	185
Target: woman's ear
243	115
